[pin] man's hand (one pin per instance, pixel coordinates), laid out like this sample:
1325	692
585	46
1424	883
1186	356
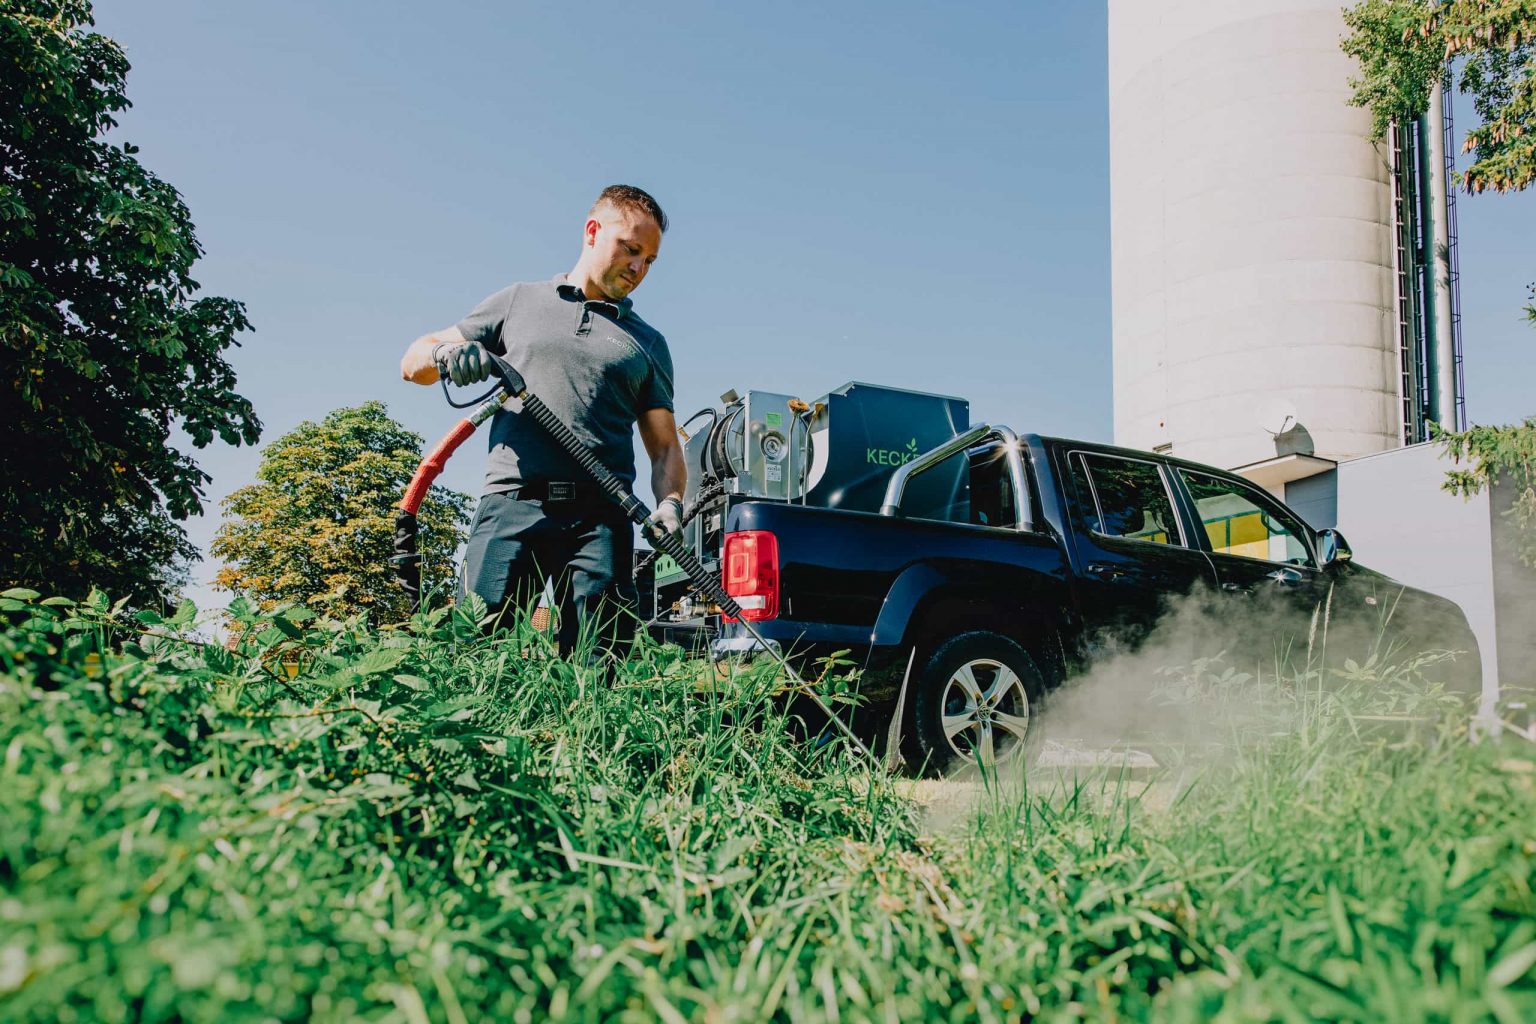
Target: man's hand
465	363
667	520
417	365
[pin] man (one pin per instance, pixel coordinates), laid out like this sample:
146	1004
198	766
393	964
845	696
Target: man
584	351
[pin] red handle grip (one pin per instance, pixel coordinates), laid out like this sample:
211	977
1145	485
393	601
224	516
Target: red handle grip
432	466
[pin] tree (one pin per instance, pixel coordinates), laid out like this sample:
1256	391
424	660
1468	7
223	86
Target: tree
1498	455
318	525
1403	48
103	348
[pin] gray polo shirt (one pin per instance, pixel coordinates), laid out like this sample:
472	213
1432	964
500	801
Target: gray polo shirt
595	363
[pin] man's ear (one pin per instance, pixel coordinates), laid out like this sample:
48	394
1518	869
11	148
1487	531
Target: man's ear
589	237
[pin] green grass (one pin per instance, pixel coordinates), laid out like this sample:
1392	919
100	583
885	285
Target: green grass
422	824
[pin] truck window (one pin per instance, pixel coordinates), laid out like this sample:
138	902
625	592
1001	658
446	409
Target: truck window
1125	498
991	489
1240	520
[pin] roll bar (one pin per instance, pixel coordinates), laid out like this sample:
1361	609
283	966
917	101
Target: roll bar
977	435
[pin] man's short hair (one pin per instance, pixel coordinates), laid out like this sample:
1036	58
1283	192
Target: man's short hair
628	197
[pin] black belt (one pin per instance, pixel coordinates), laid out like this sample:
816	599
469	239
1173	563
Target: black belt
556	490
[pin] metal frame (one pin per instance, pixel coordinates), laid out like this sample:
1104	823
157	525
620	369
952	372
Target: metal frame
1024	521
1408	261
1168	492
1416	208
1453	261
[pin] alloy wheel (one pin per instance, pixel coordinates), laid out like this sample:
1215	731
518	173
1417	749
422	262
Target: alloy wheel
985	716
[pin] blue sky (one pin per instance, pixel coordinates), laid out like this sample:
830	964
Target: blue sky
911	194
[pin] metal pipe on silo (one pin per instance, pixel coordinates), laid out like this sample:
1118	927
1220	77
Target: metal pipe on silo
1405	266
1440	338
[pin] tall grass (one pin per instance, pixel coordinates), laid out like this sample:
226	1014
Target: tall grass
425	824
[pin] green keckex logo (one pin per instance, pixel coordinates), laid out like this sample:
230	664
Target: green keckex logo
892	456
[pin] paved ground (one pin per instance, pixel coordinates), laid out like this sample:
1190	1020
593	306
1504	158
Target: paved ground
1109	774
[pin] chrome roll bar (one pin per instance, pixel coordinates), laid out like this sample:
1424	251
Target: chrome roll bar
972	438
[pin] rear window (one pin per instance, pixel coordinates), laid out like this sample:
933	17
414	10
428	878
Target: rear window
1125	498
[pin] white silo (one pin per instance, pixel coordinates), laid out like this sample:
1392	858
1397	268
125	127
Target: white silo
1253	233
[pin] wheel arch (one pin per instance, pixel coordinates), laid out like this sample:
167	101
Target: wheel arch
927	604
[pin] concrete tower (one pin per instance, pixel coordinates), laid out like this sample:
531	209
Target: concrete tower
1256	309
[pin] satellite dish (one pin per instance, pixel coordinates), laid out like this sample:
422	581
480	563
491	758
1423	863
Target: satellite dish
1275	416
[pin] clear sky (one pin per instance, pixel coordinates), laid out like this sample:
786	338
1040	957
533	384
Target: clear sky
913	194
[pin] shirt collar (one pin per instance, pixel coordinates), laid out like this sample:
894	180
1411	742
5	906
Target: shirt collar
618	310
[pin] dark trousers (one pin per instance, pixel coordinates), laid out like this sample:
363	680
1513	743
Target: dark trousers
586	547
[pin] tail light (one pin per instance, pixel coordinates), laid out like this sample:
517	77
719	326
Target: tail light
751	561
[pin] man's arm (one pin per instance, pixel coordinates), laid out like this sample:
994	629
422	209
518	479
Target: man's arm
417	365
669	473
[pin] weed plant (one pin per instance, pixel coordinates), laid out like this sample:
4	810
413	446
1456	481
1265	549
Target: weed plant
422	823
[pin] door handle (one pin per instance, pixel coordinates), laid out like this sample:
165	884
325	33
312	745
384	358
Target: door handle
1233	588
1106	570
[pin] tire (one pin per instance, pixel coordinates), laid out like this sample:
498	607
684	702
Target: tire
979	693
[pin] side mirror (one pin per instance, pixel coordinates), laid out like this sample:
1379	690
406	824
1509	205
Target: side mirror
1332	549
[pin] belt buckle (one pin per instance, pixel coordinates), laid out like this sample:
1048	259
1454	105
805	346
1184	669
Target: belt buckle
562	490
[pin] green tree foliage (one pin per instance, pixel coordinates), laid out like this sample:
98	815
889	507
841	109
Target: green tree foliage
1402	47
1497	455
103	349
318	525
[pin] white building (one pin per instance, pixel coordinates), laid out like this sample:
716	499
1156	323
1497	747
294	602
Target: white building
1284	288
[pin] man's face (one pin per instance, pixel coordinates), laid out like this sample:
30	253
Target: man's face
621	246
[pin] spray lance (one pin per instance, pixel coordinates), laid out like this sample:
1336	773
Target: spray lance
408	560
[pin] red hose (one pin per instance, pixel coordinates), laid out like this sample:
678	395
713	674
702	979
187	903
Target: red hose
432	466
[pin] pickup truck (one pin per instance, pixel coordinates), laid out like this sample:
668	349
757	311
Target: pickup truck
1070	549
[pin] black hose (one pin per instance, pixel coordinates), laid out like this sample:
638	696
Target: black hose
448	396
669	543
616	489
406	558
714	417
707	494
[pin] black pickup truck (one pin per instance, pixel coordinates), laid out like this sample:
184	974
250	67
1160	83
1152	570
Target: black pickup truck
1066	548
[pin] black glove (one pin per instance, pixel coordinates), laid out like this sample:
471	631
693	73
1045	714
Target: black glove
464	364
